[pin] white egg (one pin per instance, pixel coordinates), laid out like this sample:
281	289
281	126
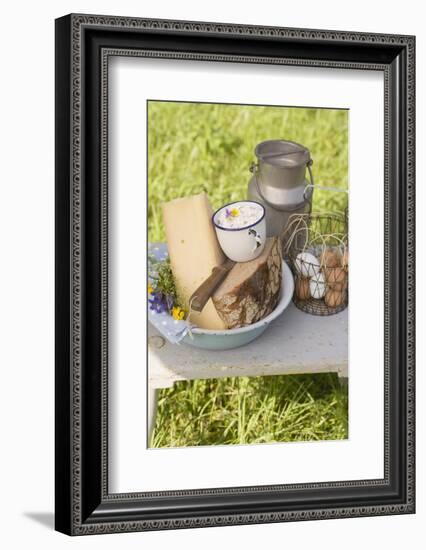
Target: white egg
307	264
317	286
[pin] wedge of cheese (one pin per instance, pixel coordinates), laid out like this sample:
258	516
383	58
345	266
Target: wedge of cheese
194	251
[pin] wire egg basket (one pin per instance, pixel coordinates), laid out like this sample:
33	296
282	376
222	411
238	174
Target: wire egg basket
317	249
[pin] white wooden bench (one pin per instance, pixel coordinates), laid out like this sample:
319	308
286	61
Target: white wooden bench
295	343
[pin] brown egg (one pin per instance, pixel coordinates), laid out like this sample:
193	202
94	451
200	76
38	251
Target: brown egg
336	278
330	258
334	298
345	260
302	288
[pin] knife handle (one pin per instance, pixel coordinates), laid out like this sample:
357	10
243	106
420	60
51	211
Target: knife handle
201	296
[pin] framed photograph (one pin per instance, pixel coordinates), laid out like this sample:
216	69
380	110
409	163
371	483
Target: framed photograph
234	274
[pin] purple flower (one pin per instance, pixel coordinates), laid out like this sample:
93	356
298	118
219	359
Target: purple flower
169	302
158	302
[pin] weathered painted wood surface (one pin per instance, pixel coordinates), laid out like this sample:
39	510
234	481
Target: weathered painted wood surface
294	343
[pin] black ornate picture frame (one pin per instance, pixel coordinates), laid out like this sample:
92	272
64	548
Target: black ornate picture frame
84	43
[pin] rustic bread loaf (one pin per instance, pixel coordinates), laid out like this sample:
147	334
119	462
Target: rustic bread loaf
252	289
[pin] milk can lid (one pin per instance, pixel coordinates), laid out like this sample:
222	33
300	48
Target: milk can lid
280	152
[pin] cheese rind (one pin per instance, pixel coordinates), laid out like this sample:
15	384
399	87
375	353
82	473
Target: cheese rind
194	251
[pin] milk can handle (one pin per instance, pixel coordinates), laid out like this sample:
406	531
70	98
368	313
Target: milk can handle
312	186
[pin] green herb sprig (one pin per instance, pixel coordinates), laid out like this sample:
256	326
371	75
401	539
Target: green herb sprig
164	281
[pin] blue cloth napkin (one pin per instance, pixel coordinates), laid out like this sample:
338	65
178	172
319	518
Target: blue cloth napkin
172	330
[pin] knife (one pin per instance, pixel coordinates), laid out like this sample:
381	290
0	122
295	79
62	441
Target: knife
201	296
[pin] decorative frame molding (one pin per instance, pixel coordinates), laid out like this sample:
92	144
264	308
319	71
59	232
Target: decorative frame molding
83	47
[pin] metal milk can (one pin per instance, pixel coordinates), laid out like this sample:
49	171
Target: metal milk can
279	182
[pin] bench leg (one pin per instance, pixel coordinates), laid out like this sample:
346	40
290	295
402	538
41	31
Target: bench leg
343	375
343	380
152	412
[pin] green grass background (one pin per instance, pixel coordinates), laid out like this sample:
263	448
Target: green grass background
209	147
194	147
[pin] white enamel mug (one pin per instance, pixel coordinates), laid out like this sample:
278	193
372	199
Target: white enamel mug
245	243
